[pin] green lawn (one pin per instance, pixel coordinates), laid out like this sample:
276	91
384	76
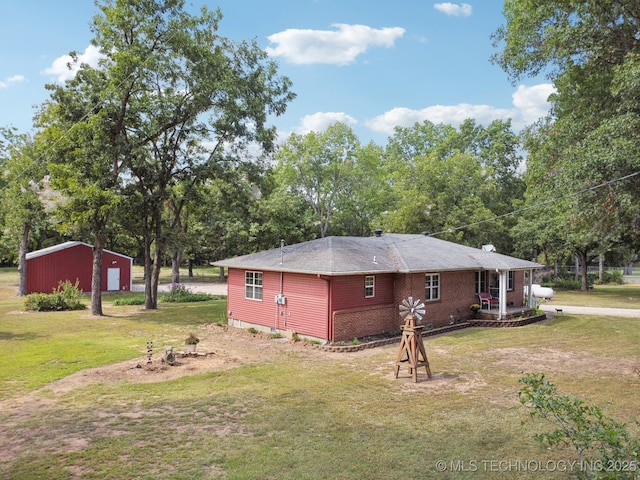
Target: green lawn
617	296
304	415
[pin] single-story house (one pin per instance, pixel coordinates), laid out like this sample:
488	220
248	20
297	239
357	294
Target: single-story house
73	261
339	288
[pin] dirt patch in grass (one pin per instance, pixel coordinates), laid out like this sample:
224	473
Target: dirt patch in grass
549	359
220	348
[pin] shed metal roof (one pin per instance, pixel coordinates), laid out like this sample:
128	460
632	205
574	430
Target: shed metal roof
64	246
388	253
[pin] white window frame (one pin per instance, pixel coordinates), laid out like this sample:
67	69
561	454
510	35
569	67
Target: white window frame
369	286
511	279
253	284
481	281
430	288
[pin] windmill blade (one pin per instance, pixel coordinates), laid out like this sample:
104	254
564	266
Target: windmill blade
413	307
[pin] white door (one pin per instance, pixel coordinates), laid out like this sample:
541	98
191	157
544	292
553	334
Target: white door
113	279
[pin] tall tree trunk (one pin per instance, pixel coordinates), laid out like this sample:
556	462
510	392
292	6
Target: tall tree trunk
148	265
583	261
190	263
155	275
176	261
96	276
157	256
22	260
601	267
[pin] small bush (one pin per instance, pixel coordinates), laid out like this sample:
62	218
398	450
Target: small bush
66	296
612	277
180	294
129	300
596	439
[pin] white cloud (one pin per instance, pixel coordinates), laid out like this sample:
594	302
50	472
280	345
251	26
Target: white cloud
60	66
318	122
453	9
7	82
529	104
338	47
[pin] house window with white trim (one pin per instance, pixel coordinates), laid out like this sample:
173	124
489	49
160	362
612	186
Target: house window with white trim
510	280
253	285
432	287
369	286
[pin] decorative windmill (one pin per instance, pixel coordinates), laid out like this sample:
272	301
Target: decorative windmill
413	308
411	349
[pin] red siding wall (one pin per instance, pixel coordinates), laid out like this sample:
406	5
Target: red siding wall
305	311
45	272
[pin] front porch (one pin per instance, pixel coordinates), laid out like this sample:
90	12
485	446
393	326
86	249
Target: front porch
514	317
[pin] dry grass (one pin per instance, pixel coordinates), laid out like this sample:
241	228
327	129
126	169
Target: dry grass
265	409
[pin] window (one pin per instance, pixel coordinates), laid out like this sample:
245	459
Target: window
481	282
510	278
432	286
253	285
369	286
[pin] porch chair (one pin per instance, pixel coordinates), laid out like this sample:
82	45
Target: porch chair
488	300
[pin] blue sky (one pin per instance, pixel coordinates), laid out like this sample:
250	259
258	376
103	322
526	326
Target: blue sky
372	65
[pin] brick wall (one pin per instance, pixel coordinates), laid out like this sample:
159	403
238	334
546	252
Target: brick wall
361	322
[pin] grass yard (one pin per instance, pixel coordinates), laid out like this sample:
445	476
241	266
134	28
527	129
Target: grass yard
274	410
615	296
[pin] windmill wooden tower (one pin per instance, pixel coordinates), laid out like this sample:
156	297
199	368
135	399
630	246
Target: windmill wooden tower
411	351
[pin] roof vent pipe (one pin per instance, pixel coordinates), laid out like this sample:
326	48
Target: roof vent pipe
378	232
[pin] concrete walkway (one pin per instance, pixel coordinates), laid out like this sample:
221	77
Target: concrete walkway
608	311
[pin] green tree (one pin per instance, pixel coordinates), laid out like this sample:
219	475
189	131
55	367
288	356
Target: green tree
590	50
83	124
356	213
319	168
166	86
455	182
23	195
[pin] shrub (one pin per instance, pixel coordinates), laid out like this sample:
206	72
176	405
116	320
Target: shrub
612	277
66	296
596	439
180	293
129	300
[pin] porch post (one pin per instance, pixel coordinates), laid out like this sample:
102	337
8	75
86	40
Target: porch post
530	300
503	295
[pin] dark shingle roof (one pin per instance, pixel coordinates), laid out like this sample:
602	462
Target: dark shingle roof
388	253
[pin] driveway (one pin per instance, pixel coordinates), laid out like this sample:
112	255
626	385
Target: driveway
613	312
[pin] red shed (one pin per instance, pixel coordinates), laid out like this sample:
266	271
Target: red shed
73	261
